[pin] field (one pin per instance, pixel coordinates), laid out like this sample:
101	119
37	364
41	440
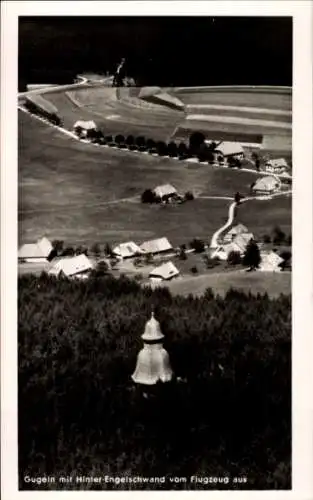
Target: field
68	190
85	194
257	282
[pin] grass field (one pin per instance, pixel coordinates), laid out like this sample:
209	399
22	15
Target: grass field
261	217
257	282
236	98
64	188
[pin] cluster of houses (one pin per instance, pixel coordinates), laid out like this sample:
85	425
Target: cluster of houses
80	266
237	240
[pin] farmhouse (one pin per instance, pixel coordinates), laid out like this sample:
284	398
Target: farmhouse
84	128
35	252
234	231
160	245
230	149
277	166
270	262
238	244
266	185
127	250
78	266
165	192
166	271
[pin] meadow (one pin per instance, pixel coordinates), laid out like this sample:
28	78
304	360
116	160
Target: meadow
68	190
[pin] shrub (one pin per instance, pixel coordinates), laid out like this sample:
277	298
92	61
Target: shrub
210	263
182	254
148	196
234	258
182	150
197	245
150	144
95	249
108	250
202	153
130	140
119	139
220	159
172	150
278	236
108	139
161	148
68	251
194	270
140	142
196	139
210	157
189	196
58	246
101	269
267	238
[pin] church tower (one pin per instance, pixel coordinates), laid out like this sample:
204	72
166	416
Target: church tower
153	363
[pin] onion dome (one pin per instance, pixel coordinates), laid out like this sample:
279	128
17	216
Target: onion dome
152	331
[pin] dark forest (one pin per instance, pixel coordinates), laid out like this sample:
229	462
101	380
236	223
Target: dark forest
158	50
81	414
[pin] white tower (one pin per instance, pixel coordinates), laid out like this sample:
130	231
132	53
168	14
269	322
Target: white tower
153	363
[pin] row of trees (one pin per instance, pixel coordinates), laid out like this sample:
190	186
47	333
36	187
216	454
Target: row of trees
80	414
196	147
36	109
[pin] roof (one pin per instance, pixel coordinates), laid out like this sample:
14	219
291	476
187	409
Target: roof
164	190
87	125
41	249
271	259
165	271
241	241
278	162
230	148
155	246
128	249
238	229
268	183
72	265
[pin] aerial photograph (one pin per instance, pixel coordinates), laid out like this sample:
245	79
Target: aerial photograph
154	253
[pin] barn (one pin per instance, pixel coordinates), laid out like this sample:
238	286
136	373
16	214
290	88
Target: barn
78	266
166	271
266	185
160	245
35	252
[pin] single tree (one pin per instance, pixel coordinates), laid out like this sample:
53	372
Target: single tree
196	139
148	196
234	258
252	257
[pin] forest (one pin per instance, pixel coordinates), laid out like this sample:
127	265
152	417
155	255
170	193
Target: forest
227	414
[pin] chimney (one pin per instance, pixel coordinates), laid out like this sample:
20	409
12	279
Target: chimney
153	364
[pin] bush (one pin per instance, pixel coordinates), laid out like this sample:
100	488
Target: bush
203	153
68	252
278	236
210	157
182	150
182	254
267	238
108	250
150	144
58	246
197	245
140	142
130	140
196	139
172	150
119	139
95	249
234	258
148	196
161	148
189	196
194	270
211	263
102	269
108	139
